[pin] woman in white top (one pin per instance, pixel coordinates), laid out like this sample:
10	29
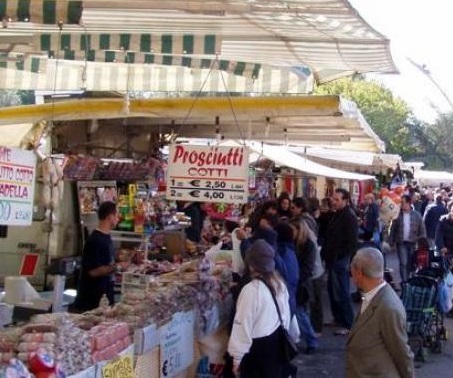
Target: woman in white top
256	342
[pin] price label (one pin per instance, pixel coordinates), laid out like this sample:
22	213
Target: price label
119	368
176	344
17	182
208	174
173	363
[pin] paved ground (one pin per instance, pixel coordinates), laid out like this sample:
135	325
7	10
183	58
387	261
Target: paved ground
329	360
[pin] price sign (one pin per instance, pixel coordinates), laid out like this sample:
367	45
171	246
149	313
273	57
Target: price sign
208	174
119	368
176	344
17	183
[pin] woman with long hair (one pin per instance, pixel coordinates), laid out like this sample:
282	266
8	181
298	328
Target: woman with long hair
310	269
256	341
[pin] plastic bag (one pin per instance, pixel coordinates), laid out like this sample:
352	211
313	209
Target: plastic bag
294	329
445	298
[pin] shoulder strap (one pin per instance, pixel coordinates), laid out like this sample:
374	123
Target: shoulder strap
275	302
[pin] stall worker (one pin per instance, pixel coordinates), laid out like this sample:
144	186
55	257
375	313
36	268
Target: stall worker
98	262
192	210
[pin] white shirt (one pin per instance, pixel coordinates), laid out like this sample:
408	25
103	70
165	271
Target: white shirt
256	316
406	226
366	299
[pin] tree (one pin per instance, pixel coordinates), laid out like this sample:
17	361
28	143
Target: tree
386	114
14	98
441	134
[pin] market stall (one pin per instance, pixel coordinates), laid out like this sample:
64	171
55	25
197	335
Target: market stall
170	310
162	314
166	305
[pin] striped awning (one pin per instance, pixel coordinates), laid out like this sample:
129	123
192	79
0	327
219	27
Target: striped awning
158	43
20	62
48	12
327	37
95	76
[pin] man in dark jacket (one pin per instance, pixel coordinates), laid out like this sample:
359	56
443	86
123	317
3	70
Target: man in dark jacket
444	233
432	216
370	221
340	243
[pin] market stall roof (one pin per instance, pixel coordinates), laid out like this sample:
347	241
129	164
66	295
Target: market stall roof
326	38
290	120
433	177
361	158
412	166
282	156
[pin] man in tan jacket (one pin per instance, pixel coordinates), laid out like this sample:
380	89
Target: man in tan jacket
377	345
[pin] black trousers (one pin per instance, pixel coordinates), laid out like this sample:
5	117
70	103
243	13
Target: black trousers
264	359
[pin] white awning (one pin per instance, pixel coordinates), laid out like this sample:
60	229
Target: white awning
433	177
282	156
361	158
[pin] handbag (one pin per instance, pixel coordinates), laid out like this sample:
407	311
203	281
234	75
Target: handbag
289	347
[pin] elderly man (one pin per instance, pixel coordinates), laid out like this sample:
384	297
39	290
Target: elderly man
377	345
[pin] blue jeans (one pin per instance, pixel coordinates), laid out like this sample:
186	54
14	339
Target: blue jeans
306	330
339	294
406	252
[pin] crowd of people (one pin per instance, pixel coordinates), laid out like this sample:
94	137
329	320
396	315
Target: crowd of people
282	254
312	240
294	230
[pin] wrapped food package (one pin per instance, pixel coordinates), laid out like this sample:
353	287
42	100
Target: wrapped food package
108	339
60	338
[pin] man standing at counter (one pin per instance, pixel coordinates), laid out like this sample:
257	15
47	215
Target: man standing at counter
98	262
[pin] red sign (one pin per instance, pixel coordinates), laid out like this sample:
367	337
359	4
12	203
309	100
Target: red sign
29	264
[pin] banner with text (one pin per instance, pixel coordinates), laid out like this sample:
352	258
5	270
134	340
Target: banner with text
17	186
208	173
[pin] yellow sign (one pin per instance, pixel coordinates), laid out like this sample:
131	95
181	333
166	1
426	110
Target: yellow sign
119	368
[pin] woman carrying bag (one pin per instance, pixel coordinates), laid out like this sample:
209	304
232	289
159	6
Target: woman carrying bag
256	342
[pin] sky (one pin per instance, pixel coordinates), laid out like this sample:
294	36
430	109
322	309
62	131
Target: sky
422	31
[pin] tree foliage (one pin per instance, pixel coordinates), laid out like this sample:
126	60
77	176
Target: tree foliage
439	150
386	114
14	98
